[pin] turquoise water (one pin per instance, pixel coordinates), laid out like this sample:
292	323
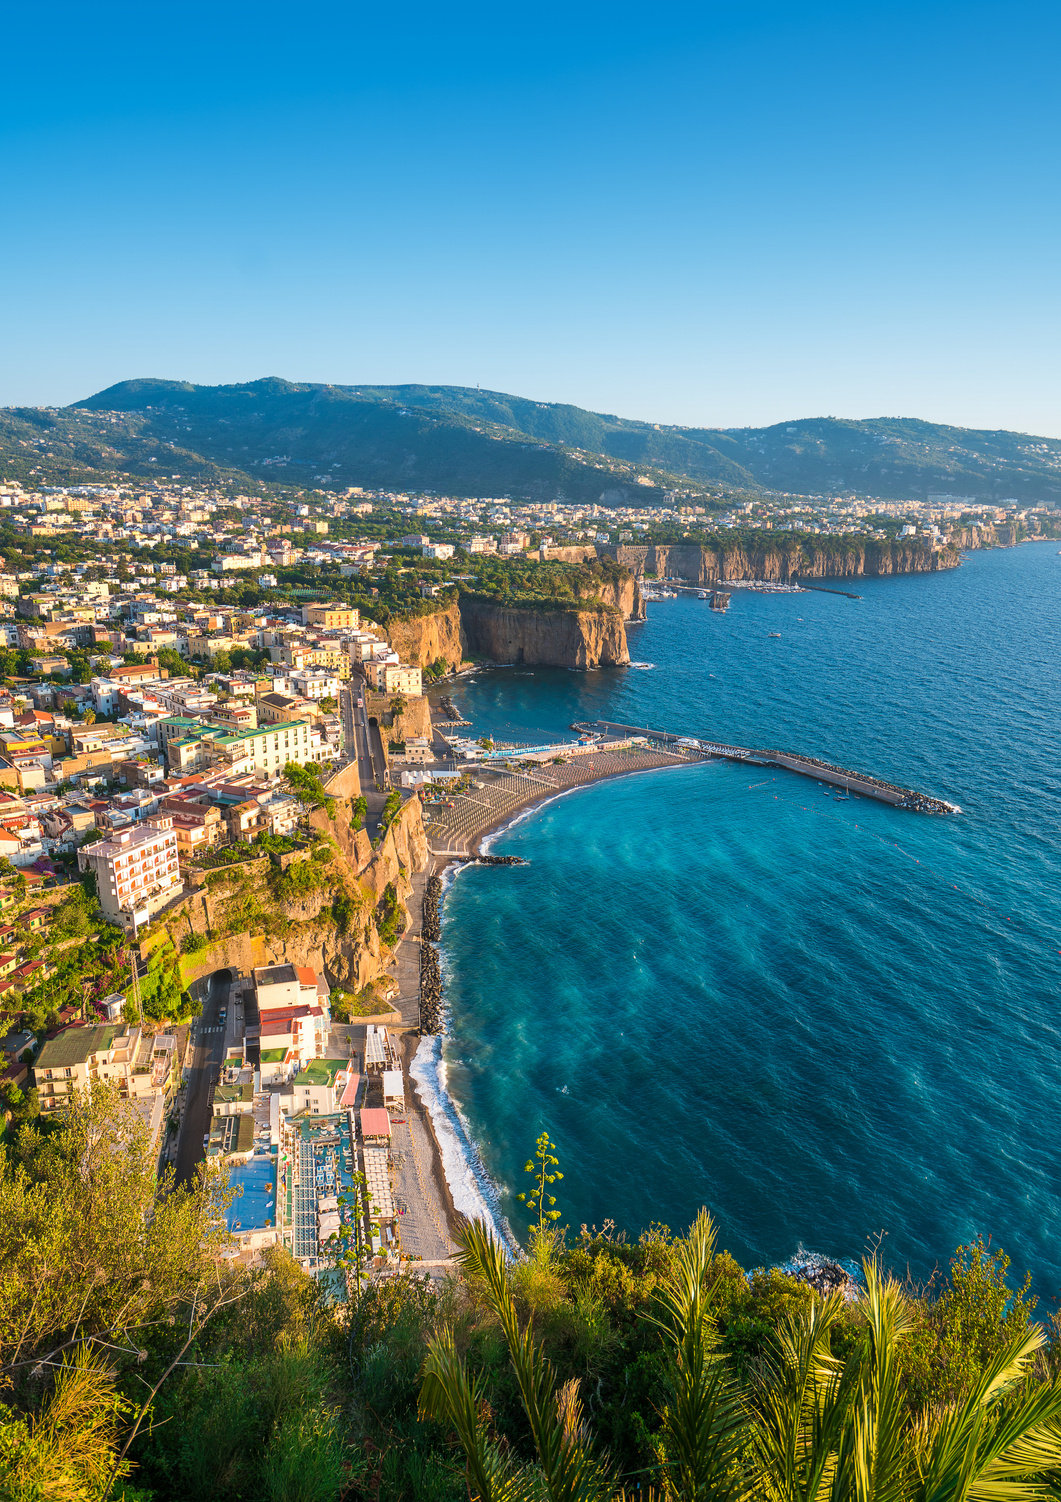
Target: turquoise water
719	985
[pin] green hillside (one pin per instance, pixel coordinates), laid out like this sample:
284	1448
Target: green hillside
452	439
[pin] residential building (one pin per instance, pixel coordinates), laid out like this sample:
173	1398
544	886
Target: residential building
395	678
332	617
137	871
146	1068
293	1019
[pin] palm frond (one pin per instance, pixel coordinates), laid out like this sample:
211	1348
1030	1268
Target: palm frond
449	1395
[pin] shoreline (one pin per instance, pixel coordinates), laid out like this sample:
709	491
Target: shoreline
439	862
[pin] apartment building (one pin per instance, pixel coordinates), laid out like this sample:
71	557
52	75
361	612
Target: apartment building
145	1068
265	750
332	617
137	871
395	678
293	1019
314	684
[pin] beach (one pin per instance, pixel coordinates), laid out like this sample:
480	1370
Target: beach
448	1183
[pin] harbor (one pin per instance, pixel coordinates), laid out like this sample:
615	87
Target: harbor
602	732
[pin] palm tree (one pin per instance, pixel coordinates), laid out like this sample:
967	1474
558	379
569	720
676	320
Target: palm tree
809	1427
567	1469
825	1429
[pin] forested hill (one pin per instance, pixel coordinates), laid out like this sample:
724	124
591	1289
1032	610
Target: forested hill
452	439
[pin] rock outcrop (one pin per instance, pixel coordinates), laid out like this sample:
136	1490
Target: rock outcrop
424	639
788	560
248	926
571	638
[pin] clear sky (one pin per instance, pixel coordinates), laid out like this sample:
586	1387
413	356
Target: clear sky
713	213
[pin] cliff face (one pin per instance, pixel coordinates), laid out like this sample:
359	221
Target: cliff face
510	633
624	595
544	638
426	638
856	560
248	928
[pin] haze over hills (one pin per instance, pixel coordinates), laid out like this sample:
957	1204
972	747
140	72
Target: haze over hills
453	439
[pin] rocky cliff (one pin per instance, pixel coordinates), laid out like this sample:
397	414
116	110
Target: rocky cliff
423	639
787	560
571	638
251	920
565	638
623	595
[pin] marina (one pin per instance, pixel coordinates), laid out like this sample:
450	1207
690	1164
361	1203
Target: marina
605	731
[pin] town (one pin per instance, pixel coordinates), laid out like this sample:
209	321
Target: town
197	695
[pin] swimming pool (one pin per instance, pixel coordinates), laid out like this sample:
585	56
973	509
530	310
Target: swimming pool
255	1208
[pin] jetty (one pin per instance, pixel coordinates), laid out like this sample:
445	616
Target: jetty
850	781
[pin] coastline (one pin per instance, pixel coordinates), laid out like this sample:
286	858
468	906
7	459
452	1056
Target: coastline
454	1170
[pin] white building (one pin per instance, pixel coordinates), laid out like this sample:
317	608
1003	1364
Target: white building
315	684
136	871
293	1019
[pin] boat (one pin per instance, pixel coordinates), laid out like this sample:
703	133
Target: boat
777	634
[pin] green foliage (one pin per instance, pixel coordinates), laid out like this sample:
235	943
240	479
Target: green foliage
389	916
546	1170
959	1334
162	993
305	783
358	810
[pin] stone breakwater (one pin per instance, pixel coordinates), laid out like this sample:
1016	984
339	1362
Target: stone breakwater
430	969
431	925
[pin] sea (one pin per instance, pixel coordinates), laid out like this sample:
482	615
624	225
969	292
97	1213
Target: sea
835	1023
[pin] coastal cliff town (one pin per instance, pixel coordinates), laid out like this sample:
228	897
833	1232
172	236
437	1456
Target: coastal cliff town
225	795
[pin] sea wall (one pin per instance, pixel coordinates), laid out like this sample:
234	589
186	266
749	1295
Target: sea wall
788	560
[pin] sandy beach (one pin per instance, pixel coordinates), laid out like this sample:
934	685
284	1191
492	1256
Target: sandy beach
456	835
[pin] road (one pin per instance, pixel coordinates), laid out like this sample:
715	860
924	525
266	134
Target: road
206	1051
363	740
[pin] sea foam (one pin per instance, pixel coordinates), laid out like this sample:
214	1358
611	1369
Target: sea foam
474	1192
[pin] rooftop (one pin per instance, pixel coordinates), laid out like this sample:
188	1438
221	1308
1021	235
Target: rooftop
322	1071
275	975
74	1045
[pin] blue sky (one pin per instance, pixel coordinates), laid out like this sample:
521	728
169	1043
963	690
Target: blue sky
714	214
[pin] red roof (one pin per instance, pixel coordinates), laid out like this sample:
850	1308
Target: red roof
287	1014
350	1092
375	1122
307	976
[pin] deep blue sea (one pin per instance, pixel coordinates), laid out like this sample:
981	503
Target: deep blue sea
723	986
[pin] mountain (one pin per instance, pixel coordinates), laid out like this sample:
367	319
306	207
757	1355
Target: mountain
452	439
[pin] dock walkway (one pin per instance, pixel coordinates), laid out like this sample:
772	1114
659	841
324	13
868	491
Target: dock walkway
806	766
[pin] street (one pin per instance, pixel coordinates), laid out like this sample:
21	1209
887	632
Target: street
206	1051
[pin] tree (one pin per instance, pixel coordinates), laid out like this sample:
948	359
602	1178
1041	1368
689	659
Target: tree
354	1239
567	1469
545	1168
103	1266
824	1414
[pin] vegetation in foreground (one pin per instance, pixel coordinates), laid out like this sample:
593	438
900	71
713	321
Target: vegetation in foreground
137	1362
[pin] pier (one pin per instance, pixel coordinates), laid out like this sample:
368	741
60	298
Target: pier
806	766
